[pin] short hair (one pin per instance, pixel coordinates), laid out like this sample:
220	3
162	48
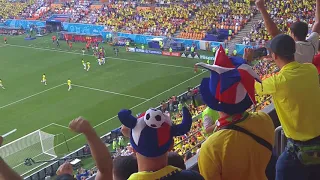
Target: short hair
299	30
124	166
174	159
287	58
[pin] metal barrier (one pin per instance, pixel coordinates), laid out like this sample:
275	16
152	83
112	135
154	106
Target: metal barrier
280	141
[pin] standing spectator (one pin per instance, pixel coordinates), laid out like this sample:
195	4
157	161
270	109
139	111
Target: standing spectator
241	146
316	61
208	121
296	96
306	48
152	144
99	150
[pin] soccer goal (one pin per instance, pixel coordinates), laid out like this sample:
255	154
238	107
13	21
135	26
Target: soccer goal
37	145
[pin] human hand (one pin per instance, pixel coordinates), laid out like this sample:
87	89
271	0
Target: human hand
80	125
65	168
125	131
260	4
248	54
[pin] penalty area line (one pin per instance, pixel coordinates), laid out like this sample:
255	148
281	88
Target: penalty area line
28	97
110	92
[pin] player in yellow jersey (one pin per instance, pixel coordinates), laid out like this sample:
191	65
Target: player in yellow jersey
44	79
69	84
1	85
88	65
84	64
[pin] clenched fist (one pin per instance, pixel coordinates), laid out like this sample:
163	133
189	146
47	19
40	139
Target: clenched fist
260	4
80	125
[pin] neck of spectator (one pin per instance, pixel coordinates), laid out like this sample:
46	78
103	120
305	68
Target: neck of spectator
281	61
151	163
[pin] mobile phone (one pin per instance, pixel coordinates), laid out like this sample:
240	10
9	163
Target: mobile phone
260	52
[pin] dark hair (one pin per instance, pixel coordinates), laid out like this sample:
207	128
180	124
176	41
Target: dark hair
174	159
188	155
299	30
287	58
124	166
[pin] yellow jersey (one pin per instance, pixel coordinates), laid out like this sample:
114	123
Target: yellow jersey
83	62
0	81
88	64
69	82
43	77
296	96
227	154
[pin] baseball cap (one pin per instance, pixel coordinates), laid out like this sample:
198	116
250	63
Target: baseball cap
282	45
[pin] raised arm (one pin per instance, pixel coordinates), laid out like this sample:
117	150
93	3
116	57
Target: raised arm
99	150
270	25
316	25
5	171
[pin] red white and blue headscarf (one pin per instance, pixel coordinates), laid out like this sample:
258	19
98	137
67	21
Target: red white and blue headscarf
230	88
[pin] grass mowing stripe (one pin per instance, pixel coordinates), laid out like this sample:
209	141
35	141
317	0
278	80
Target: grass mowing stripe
131	108
31	96
95	89
129	60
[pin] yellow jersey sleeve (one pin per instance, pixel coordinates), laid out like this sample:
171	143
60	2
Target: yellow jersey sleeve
268	86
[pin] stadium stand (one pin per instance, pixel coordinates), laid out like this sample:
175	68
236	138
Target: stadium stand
193	22
283	14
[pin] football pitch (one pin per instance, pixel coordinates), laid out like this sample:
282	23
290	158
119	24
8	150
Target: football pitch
131	80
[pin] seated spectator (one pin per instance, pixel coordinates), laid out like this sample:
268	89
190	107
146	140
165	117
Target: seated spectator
124	166
296	96
99	151
174	159
306	48
233	151
5	171
152	144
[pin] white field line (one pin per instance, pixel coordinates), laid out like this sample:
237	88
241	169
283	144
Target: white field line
60	125
31	96
3	45
109	118
129	60
110	92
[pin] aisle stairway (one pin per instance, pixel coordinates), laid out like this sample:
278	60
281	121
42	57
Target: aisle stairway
238	38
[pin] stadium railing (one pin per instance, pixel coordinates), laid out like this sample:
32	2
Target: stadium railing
51	169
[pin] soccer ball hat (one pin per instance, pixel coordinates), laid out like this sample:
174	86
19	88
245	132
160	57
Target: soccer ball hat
152	132
230	88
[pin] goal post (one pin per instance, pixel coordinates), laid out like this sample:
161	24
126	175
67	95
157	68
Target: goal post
37	145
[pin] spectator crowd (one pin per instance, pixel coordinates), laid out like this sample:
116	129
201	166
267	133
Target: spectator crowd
237	143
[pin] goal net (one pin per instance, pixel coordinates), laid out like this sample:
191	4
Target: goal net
37	145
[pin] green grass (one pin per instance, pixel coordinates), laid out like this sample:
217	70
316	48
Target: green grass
131	80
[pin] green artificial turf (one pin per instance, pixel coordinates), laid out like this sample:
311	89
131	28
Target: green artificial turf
131	80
